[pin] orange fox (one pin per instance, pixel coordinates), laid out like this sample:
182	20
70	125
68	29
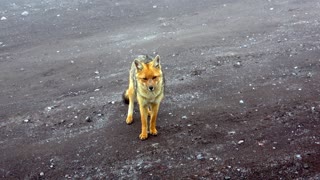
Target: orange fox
146	85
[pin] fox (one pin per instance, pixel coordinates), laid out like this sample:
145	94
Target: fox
146	86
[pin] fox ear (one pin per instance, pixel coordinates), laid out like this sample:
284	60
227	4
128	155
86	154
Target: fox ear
156	61
138	64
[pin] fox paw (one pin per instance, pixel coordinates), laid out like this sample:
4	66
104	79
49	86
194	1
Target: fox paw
143	136
129	120
153	131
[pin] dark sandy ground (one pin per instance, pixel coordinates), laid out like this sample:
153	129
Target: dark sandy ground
242	95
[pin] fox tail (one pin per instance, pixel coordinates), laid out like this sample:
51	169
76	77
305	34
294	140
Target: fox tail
125	97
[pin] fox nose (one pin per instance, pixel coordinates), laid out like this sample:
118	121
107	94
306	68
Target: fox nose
151	88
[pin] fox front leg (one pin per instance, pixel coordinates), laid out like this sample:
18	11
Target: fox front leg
144	117
153	118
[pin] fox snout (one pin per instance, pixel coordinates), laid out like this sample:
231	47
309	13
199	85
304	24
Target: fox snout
151	88
151	85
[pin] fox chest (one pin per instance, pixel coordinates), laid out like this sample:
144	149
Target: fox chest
150	98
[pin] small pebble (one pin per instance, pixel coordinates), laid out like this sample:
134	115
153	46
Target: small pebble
237	64
70	125
309	75
298	156
3	18
184	117
26	120
41	174
67	176
241	142
88	119
200	157
241	101
155	145
306	166
25	13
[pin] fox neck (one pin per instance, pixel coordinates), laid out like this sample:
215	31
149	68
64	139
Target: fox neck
150	96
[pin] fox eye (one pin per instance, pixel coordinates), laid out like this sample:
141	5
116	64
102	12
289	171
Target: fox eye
145	79
154	77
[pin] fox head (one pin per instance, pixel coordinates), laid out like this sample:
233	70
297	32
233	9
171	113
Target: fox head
149	75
